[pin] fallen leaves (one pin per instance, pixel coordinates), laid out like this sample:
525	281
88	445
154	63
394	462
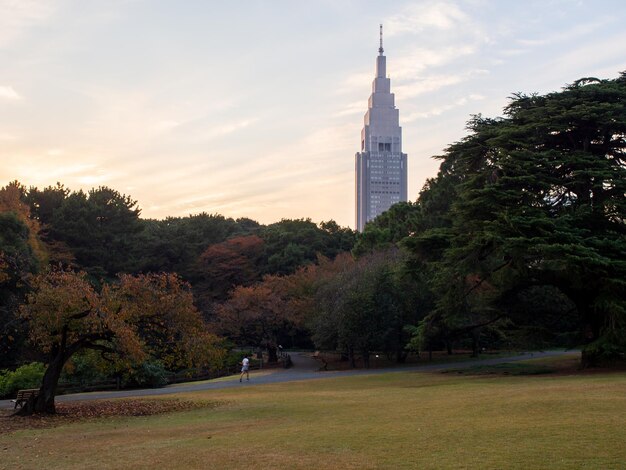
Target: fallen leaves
97	409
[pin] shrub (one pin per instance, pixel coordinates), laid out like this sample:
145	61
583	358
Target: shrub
148	374
86	368
26	376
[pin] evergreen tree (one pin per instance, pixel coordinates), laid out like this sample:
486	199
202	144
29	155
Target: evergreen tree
540	201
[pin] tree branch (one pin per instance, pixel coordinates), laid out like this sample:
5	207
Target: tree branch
479	283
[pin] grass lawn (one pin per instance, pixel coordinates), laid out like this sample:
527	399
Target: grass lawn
403	420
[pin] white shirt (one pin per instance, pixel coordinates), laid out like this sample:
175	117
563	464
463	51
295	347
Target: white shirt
245	362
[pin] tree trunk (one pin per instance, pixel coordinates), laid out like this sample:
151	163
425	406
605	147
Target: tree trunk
44	402
588	359
401	355
475	343
272	357
591	325
366	359
351	358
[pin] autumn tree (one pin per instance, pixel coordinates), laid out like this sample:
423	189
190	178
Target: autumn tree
21	255
224	265
135	318
12	202
260	314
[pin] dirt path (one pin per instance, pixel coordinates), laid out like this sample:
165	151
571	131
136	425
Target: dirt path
305	368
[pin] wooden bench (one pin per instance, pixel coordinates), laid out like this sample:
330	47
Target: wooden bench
24	395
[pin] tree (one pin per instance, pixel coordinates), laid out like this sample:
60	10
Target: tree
12	201
366	306
540	203
44	203
101	229
222	266
175	243
290	244
137	317
17	263
260	314
389	228
43	206
21	254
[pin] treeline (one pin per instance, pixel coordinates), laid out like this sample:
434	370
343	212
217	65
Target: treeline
519	241
101	233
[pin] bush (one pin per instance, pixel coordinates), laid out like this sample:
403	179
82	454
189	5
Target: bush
234	358
147	374
85	368
26	376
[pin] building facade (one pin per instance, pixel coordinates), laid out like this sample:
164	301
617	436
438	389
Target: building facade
380	166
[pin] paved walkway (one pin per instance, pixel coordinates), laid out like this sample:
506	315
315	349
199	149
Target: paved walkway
304	368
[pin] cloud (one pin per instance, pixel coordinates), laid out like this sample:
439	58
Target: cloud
356	107
417	18
435	82
412	62
408	67
355	81
6	137
167	125
590	59
567	35
228	128
280	179
93	180
8	93
438	110
20	15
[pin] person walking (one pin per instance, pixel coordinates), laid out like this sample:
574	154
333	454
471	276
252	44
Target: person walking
245	368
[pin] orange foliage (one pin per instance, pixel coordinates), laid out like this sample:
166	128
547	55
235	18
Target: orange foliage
141	315
4	268
11	201
258	313
230	263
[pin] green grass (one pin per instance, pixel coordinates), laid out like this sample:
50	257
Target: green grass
395	421
565	363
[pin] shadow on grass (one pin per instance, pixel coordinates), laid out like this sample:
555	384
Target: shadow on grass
504	369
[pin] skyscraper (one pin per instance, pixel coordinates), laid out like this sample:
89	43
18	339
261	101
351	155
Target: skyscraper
380	166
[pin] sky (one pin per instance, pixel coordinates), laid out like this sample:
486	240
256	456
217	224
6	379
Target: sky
254	108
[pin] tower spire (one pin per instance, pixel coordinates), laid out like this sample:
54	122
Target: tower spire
380	49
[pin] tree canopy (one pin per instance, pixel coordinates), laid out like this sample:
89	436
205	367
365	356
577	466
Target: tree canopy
133	318
539	202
